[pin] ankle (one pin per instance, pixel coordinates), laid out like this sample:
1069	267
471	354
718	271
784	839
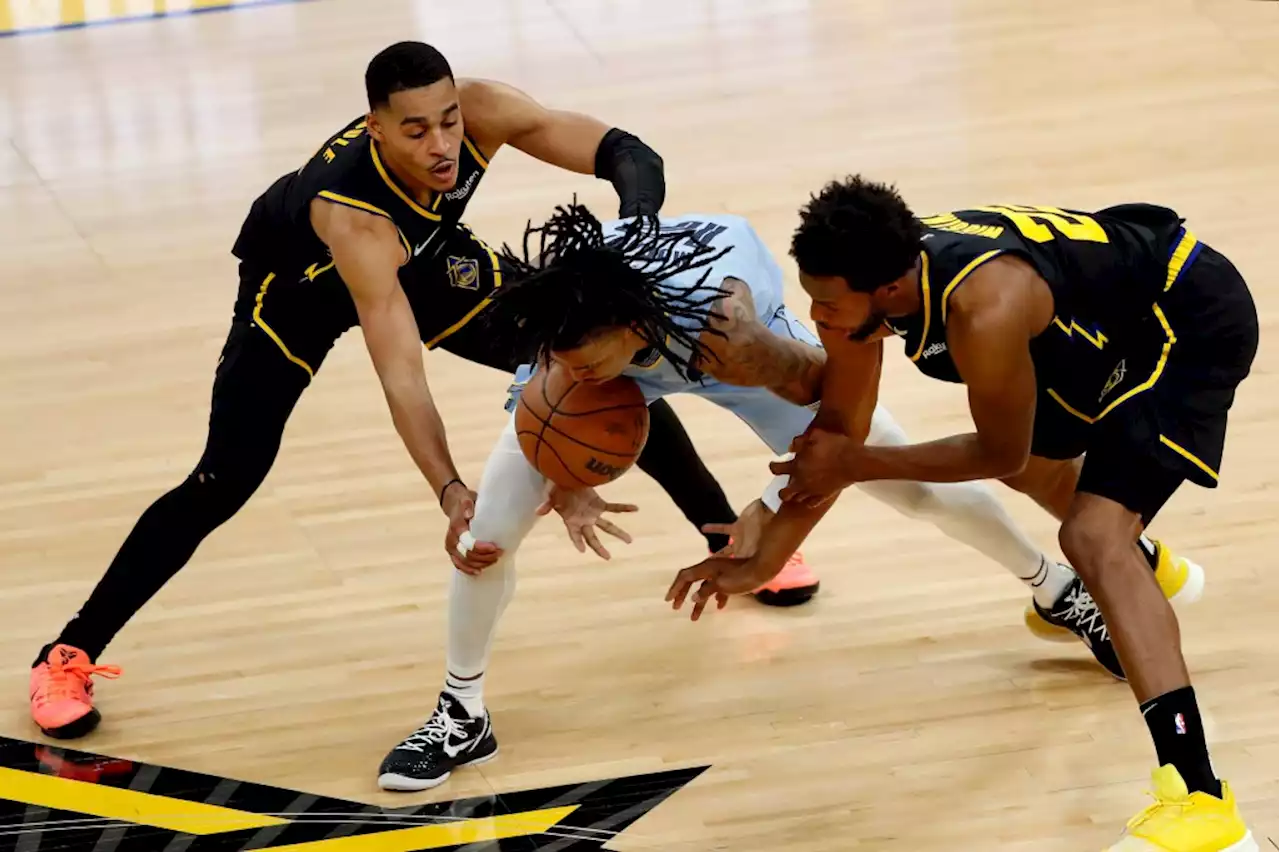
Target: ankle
468	691
1178	734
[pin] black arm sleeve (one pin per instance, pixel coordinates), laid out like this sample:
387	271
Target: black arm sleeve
635	170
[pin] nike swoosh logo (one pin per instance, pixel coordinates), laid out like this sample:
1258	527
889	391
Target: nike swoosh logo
454	751
417	250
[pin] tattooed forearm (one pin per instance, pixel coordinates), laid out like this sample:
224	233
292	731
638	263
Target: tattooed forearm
748	354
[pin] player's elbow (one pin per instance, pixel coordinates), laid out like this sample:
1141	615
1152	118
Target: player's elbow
1007	462
1001	457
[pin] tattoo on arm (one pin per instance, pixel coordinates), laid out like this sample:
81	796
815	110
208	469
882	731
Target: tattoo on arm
746	353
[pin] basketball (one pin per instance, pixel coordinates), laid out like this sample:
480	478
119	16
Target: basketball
581	433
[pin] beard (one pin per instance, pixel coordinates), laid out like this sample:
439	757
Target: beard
870	326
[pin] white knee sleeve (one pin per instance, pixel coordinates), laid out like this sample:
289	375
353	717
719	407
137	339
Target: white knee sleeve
506	509
966	511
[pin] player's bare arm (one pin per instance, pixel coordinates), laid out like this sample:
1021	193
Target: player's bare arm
741	351
368	253
849	383
992	320
850	386
498	114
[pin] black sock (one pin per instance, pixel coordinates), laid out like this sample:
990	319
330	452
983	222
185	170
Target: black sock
669	457
1178	734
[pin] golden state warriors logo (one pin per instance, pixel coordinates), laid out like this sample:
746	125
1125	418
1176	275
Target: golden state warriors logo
58	799
464	272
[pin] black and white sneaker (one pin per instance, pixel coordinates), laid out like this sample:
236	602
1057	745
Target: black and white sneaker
449	739
1075	610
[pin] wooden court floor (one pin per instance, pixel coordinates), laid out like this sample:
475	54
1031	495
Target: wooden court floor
907	708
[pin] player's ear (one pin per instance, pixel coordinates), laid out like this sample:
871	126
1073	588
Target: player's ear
374	128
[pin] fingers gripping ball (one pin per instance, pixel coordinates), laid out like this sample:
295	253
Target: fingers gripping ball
581	433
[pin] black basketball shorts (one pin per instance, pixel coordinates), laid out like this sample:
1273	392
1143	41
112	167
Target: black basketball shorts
1173	388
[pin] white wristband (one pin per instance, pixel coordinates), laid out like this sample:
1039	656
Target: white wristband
772	496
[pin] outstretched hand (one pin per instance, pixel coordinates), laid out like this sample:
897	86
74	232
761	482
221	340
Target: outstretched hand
582	511
744	533
717	577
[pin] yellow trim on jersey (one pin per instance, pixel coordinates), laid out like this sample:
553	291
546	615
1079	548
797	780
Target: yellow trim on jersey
475	152
1189	457
369	208
257	318
962	275
484	303
408	247
1053	394
1132	392
312	272
413	205
1070	331
924	297
353	202
1178	260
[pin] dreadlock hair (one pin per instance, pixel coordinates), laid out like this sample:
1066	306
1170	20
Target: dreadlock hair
858	230
570	283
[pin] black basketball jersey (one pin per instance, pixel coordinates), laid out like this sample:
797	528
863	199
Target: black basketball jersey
349	170
1105	270
302	300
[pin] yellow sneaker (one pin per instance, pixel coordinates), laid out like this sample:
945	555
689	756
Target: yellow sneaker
1186	822
1181	580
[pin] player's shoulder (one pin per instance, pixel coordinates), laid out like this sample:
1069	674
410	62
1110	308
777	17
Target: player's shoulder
493	112
999	288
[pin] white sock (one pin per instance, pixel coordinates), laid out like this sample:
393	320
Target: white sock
969	513
1049	582
475	605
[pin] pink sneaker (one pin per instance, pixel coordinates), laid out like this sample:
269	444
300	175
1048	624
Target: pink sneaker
794	585
62	694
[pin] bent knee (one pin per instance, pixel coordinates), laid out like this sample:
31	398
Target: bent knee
214	497
1091	535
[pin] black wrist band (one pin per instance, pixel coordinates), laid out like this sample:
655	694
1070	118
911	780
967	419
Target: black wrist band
446	487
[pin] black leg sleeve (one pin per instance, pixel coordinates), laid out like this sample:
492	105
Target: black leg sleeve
669	457
254	392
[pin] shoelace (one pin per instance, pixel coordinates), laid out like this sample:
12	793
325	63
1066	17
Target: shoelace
1157	806
436	730
1084	612
793	560
71	679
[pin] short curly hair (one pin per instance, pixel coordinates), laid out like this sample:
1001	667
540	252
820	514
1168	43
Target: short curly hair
859	230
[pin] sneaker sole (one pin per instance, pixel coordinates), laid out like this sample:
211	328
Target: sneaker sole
394	783
1191	591
1246	844
74	730
786	597
1192	588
